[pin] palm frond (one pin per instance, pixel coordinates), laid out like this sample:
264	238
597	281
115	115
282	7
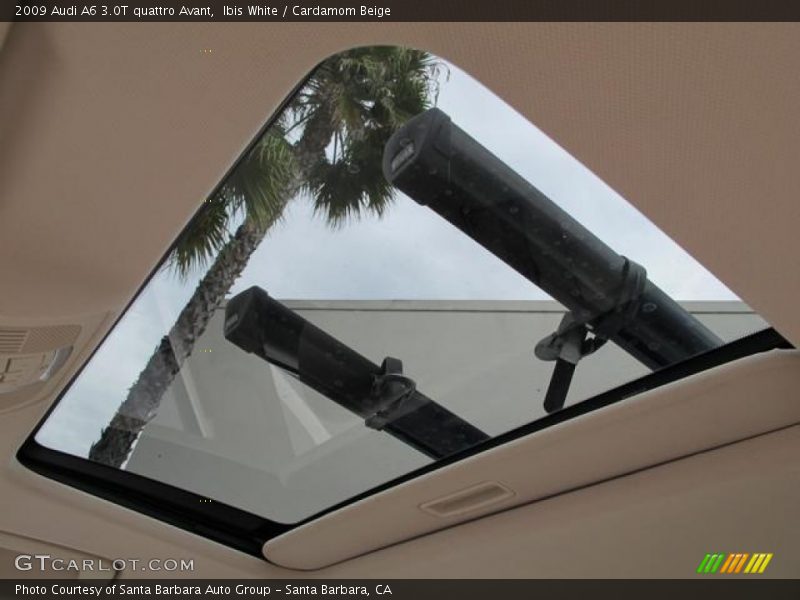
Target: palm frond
260	184
357	98
202	238
353	103
257	189
354	184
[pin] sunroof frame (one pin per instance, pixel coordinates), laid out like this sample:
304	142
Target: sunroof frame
247	532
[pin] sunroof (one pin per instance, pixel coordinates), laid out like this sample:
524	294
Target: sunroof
399	269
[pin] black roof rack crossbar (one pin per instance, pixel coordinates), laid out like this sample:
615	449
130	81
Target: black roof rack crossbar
382	395
608	296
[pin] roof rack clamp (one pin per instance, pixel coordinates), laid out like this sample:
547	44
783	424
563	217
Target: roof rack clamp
393	394
571	341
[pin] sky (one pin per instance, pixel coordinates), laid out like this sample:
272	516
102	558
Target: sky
410	253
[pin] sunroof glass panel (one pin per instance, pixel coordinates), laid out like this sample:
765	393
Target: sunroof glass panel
382	281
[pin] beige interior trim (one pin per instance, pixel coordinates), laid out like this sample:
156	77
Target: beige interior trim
5	27
80	332
656	523
13	546
71	518
720	406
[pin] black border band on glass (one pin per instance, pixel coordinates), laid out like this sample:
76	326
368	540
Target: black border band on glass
247	532
761	341
380	11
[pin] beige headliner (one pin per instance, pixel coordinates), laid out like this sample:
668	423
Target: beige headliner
112	134
713	409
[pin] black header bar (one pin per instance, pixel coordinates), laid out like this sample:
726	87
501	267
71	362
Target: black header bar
733	588
398	10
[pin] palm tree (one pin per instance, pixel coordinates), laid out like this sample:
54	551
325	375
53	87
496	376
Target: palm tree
328	143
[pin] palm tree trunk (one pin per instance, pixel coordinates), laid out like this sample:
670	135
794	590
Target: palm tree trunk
144	397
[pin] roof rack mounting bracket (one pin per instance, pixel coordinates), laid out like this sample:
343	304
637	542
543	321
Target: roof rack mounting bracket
566	346
571	341
392	392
